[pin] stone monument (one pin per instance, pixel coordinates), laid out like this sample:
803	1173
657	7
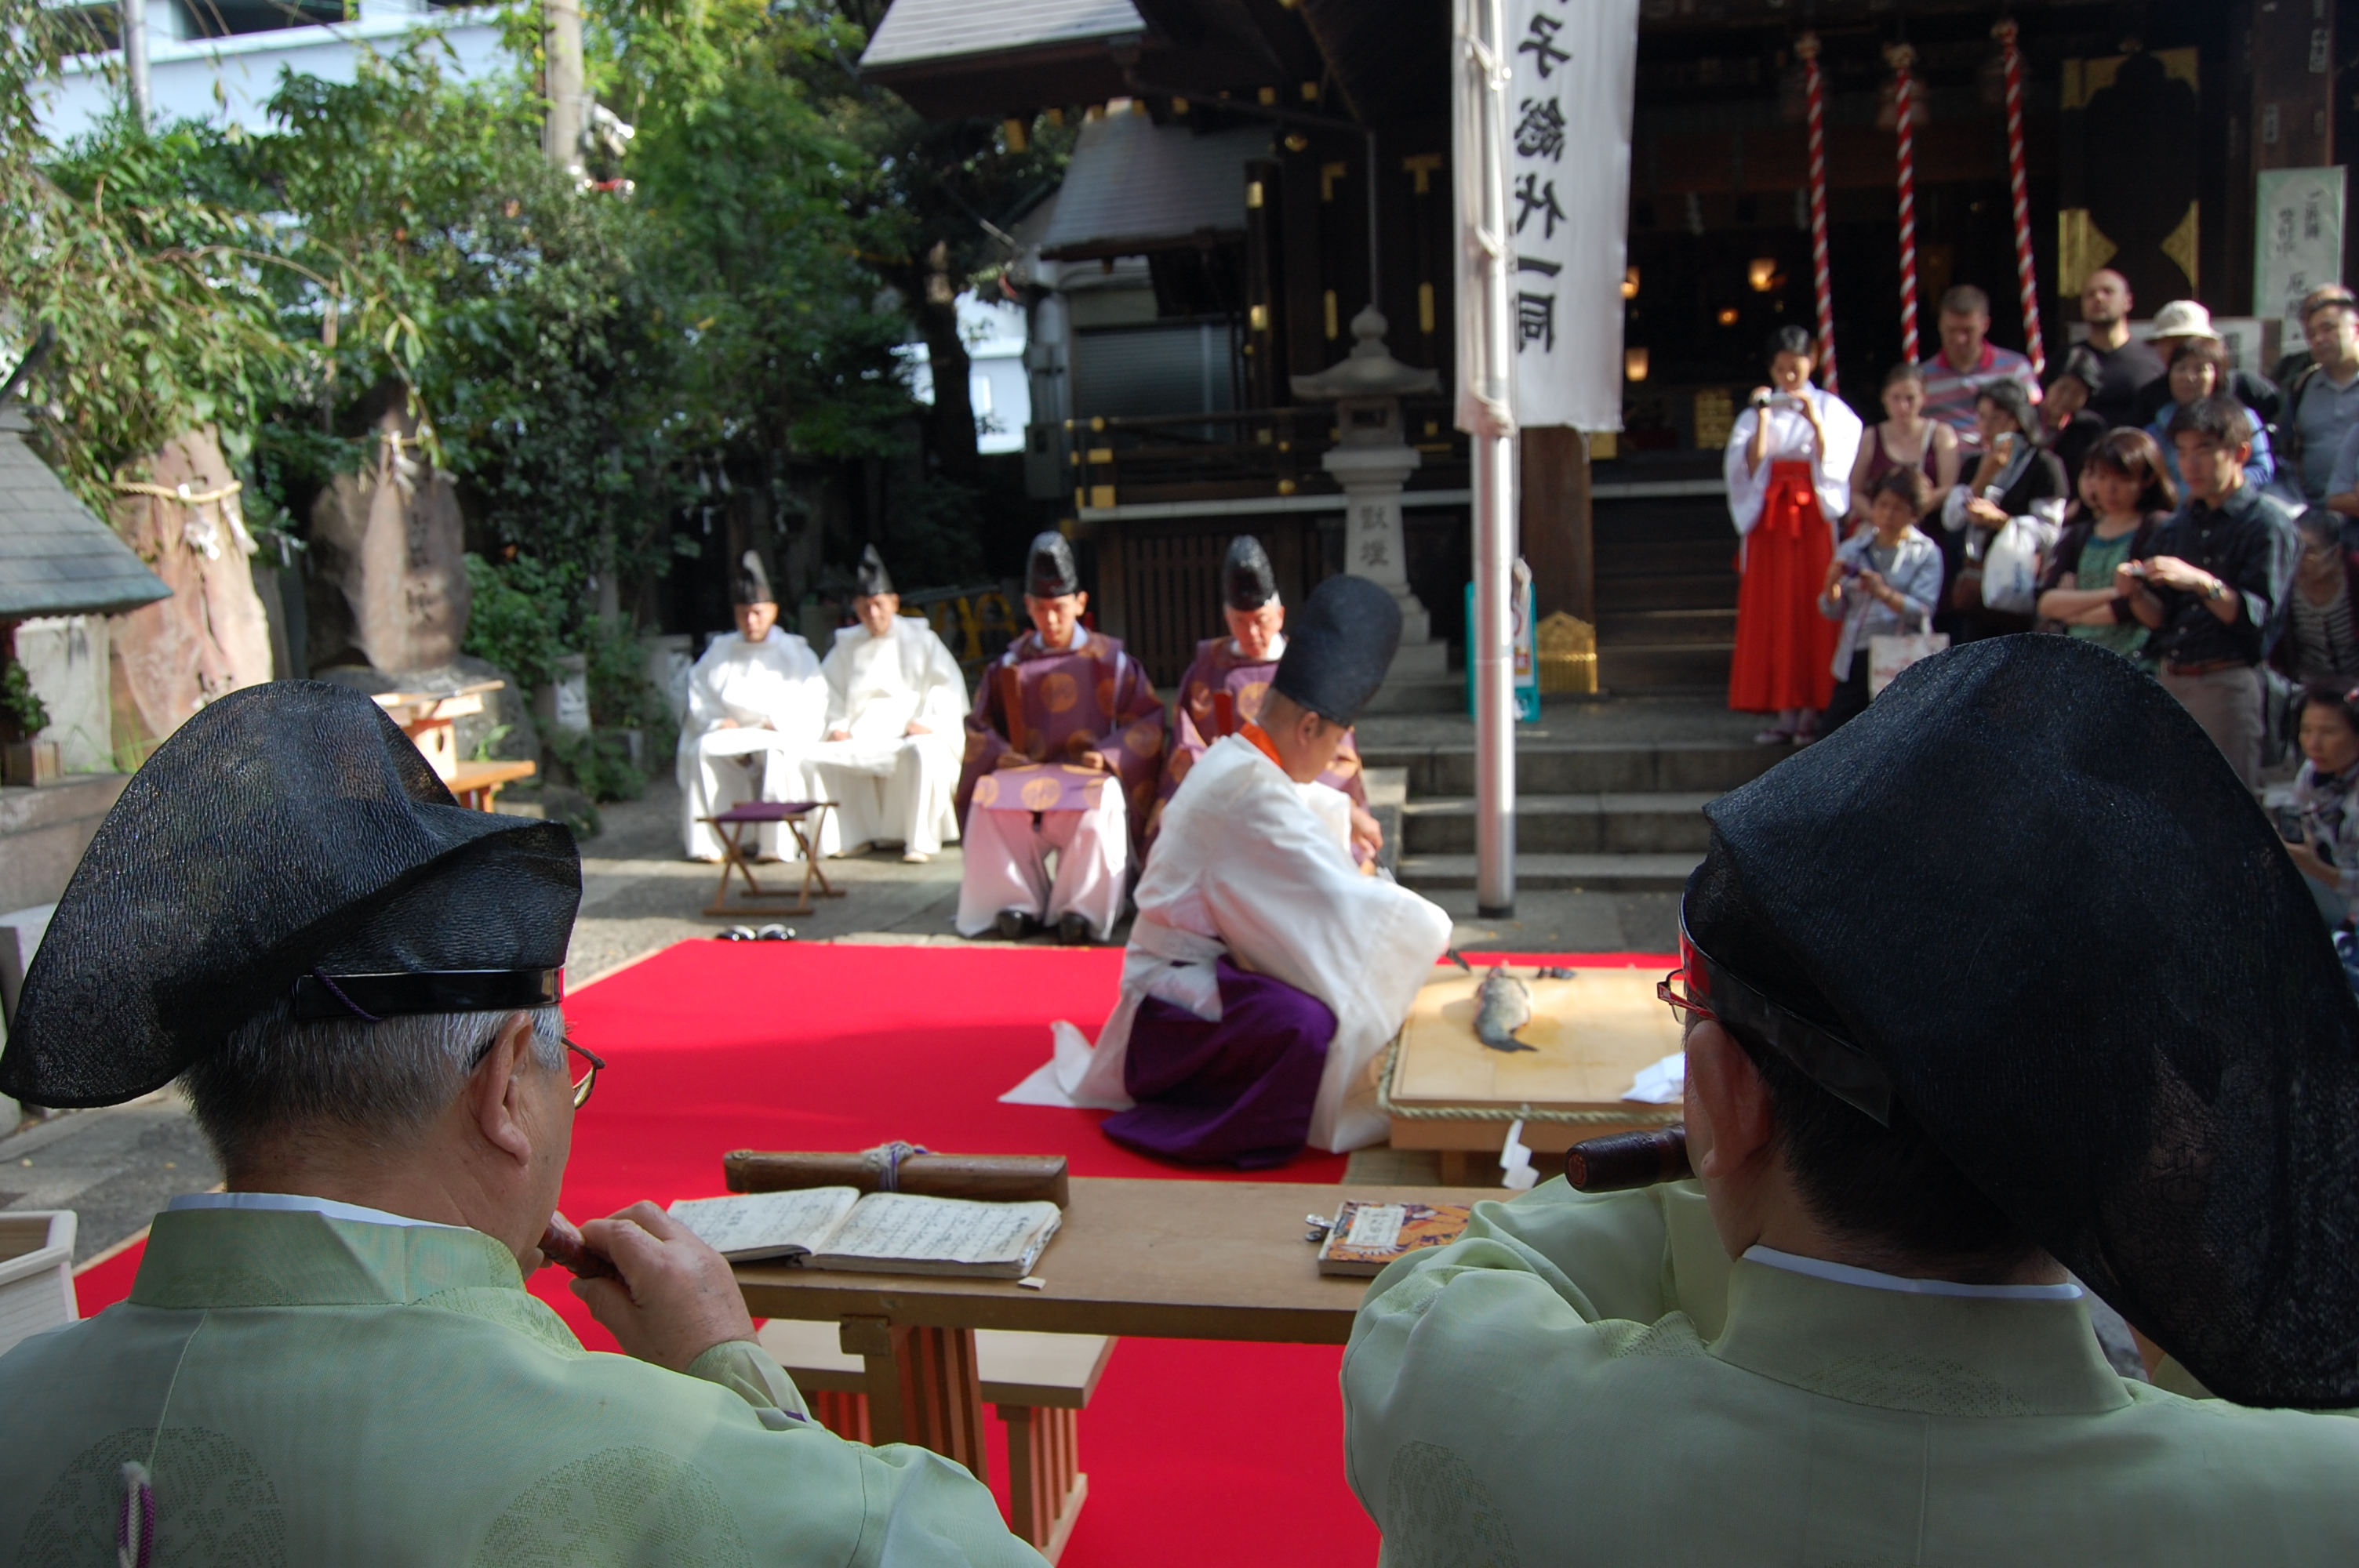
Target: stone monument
1372	459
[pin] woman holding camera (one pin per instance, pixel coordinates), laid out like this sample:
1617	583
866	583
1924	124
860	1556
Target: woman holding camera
1789	469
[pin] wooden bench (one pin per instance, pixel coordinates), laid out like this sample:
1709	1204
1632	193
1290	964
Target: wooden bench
1040	1383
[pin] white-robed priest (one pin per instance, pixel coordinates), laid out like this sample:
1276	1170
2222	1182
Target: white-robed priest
895	724
1263	973
756	701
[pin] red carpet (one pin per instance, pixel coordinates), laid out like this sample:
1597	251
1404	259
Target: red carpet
1196	1452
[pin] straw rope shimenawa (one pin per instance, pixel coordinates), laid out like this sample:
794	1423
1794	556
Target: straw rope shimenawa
1639	1113
183	493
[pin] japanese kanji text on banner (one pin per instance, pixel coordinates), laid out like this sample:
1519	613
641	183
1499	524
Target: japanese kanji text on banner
1568	200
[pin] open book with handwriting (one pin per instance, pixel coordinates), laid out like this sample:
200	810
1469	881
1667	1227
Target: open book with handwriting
884	1233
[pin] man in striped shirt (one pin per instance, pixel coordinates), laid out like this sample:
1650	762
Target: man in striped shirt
1969	362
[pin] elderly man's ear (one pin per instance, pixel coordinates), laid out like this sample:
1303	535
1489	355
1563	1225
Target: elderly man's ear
505	1095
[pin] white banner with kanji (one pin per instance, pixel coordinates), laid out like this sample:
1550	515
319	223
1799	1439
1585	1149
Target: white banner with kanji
1568	205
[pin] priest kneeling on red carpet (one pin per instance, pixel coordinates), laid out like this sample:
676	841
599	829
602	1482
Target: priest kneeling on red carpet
1264	972
335	1360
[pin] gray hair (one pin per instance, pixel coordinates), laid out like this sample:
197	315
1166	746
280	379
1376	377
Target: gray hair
379	1083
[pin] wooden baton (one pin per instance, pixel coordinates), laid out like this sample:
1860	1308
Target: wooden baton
1620	1160
986	1178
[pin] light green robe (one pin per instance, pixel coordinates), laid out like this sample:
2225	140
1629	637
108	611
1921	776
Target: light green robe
1588	1380
332	1392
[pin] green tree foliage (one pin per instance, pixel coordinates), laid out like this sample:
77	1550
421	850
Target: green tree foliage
586	362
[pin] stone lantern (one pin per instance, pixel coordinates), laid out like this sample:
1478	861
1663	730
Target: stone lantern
1372	459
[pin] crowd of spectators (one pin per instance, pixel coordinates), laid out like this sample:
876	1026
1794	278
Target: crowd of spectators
2195	518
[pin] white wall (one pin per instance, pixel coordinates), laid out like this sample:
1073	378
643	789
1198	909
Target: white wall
229	80
65	658
997	383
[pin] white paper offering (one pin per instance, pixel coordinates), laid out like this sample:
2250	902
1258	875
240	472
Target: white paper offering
767	1224
1375	1225
1660	1083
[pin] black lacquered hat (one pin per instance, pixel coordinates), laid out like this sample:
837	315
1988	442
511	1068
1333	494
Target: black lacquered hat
871	578
1338	647
288	842
1050	572
2025	897
749	581
1247	581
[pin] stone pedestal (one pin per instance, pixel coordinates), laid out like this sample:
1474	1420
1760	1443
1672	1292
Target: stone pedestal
169	658
389	581
1372	461
1372	478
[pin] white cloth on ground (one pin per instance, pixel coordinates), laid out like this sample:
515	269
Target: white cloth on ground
1248	866
889	786
772	693
1007	864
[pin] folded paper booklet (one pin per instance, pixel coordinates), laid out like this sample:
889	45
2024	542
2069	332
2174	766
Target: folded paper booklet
884	1233
1044	786
1367	1235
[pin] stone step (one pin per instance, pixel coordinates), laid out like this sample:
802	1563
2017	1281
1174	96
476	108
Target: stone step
1661	822
1666	590
1618	629
1447	695
1696	669
1641	557
1704	767
1554	873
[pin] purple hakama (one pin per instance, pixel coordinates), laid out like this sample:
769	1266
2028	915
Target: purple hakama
1237	1092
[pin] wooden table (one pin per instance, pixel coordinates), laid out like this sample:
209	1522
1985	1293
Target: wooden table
478	784
1160	1259
1450	1092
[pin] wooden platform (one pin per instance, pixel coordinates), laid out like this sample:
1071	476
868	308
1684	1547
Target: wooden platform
1591	1035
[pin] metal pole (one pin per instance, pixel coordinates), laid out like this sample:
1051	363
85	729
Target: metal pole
135	61
1488	639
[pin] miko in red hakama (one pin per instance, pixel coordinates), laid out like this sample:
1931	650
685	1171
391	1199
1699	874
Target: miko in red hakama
1785	648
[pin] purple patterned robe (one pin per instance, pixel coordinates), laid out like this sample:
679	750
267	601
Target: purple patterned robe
1094	698
1218	668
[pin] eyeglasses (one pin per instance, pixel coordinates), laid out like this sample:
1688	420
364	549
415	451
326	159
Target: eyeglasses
583	1085
587	1081
1684	1008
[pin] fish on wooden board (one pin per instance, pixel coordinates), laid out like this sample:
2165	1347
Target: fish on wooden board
1503	1004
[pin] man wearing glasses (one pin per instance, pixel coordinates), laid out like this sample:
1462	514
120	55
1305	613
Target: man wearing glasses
1922	1139
357	984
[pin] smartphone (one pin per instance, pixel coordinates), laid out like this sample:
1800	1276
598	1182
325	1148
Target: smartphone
2289	824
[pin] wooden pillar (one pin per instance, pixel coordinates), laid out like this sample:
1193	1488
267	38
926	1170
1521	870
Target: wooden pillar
923	1388
1044	1485
2291	123
1265	306
1557	542
2293	84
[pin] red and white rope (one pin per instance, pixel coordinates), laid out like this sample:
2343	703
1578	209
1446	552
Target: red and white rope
2027	275
1904	105
1808	48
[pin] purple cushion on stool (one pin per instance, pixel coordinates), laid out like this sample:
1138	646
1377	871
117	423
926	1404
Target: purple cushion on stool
765	811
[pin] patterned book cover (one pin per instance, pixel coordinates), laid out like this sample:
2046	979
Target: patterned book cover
1367	1235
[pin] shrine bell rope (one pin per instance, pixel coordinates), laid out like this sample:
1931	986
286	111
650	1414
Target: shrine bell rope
1904	110
2026	276
1808	48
